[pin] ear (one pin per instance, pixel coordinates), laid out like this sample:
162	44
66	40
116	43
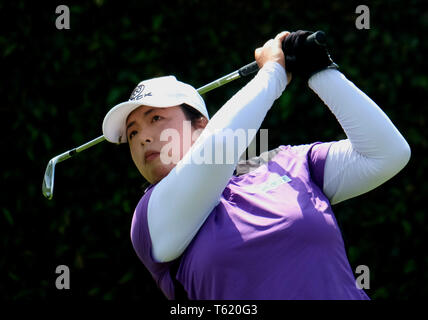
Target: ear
201	123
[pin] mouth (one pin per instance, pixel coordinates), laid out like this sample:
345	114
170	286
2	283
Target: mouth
151	155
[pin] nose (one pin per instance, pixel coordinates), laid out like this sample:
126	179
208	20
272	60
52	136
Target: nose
145	138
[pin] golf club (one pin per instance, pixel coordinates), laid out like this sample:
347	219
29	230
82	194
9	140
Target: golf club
317	38
48	180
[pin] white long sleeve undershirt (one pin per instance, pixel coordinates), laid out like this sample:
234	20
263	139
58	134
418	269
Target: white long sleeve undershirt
374	152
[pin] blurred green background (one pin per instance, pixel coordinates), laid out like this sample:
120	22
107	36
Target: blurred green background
57	85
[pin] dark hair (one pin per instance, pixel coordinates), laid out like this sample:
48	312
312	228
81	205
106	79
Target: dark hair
191	113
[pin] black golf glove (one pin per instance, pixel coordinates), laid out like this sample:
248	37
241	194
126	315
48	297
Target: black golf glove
304	60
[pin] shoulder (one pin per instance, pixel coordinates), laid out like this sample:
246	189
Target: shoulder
283	155
312	156
313	152
315	156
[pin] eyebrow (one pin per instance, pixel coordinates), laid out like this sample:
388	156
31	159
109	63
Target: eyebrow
129	126
133	122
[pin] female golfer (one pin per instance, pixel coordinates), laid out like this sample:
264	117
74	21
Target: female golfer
263	229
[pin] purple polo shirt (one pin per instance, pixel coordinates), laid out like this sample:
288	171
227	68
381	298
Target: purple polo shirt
273	235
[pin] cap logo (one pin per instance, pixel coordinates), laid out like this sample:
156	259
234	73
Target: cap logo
138	93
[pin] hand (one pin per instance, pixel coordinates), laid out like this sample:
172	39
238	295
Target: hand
272	51
305	61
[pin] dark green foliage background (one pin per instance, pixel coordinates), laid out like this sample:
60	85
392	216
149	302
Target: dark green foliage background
57	85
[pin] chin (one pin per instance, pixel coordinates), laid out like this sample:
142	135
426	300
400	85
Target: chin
158	174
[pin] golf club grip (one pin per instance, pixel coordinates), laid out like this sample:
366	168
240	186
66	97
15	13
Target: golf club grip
316	38
248	69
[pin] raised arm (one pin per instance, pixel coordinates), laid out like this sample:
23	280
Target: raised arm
181	202
375	150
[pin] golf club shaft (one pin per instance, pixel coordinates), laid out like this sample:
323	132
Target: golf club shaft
244	71
87	145
49	177
316	38
68	154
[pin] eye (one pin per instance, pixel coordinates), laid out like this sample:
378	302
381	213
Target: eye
156	118
133	133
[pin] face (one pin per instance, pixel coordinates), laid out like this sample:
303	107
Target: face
144	128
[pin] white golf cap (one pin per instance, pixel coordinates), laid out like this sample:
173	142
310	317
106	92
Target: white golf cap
157	92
